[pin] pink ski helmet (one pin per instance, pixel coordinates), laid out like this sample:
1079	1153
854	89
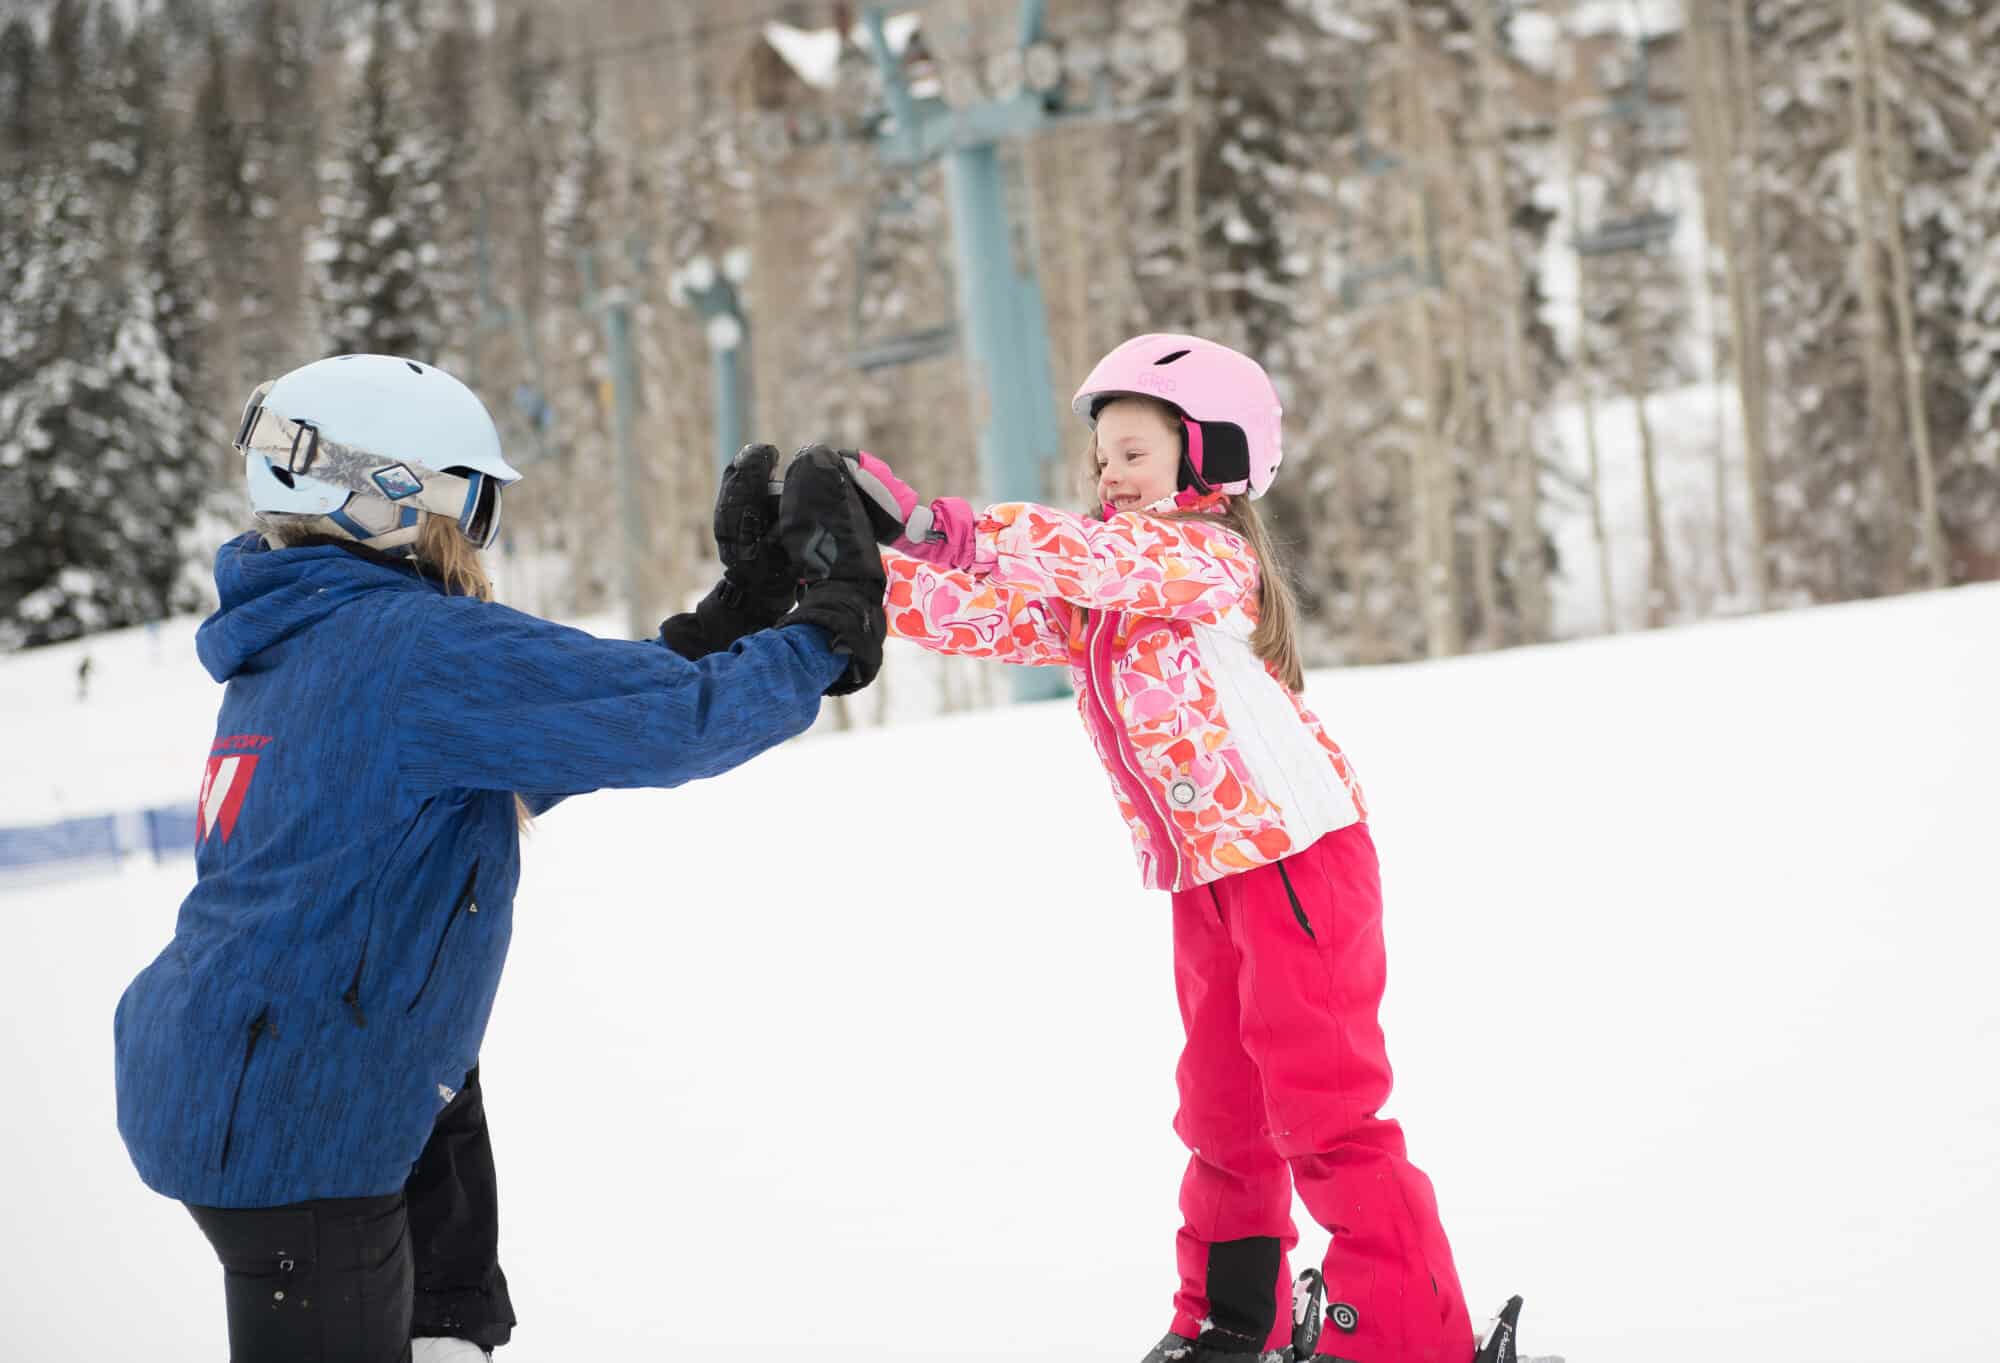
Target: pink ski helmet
1229	408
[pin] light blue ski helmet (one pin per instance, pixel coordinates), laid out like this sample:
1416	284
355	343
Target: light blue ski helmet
361	445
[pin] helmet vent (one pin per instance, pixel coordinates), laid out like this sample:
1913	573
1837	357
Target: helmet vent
415	368
1170	358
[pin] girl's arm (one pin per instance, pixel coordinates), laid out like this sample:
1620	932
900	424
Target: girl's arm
1183	568
949	611
494	699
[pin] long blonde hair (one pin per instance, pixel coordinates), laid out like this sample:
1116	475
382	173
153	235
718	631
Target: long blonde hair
441	553
1275	640
447	556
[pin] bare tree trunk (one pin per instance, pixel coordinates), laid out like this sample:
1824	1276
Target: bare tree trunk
1902	293
1190	199
1076	270
1430	479
1573	157
1746	253
1485	558
1525	552
1870	193
1711	159
1467	364
1662	603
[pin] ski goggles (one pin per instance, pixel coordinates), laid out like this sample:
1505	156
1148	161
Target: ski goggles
297	448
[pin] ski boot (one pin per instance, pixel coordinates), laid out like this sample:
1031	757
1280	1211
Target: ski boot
1497	1346
1306	1295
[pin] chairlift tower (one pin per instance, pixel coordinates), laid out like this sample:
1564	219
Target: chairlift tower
999	299
716	294
1002	319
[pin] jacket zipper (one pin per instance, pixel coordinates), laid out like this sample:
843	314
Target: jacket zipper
1298	911
259	1026
352	998
1100	663
437	953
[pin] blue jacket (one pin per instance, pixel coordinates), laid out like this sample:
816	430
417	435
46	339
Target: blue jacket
331	972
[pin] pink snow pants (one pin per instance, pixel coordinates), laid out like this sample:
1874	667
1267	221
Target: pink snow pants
1280	971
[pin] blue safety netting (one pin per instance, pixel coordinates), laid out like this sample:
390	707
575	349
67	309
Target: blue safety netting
160	832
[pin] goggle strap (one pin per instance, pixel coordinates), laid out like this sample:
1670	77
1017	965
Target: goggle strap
447	494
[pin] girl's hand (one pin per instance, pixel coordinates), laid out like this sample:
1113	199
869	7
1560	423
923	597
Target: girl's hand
890	500
944	533
940	533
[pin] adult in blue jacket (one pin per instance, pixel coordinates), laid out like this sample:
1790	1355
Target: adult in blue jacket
298	1065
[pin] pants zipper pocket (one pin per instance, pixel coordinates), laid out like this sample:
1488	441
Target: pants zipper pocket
260	1026
464	904
1298	910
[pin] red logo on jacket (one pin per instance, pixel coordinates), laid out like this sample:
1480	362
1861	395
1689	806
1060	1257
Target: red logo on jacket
231	764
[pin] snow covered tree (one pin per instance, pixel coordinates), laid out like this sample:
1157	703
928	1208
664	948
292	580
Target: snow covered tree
1874	131
1932	72
258	124
167	268
1971	482
98	477
380	207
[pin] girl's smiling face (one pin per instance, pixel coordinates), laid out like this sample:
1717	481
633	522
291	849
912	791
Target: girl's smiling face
1138	454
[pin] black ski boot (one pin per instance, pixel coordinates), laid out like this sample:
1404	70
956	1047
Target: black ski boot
1307	1293
1497	1347
1499	1344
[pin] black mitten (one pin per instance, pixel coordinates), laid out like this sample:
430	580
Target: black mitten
826	536
758	585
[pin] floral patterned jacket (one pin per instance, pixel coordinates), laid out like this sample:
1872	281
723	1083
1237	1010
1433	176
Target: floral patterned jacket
1217	766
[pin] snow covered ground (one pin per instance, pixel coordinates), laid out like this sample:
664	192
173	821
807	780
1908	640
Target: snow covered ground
1693	1001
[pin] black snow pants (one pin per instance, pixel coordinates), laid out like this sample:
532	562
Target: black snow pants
353	1280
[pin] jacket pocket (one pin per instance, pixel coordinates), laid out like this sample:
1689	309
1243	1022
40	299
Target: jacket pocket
260	1027
464	904
1298	909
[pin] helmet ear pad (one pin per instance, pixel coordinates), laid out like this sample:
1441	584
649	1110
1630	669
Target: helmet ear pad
1224	454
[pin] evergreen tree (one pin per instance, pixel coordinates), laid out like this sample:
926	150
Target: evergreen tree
377	236
94	458
167	266
274	120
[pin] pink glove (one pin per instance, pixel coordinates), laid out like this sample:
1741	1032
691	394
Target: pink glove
943	532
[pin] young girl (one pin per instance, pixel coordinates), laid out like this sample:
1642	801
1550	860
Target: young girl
299	1065
1171	613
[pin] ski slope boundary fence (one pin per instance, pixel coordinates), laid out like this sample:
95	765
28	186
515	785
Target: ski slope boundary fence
77	846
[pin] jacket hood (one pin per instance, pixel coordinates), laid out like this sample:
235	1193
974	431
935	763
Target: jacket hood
268	595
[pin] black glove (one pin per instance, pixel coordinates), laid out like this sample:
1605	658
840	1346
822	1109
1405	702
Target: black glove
827	538
758	585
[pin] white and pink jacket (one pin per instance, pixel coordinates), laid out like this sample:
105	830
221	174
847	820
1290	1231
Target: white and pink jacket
1217	766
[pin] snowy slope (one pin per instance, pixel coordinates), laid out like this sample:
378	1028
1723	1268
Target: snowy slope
1692	1001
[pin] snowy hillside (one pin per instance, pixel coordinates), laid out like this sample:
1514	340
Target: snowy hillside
1692	1002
